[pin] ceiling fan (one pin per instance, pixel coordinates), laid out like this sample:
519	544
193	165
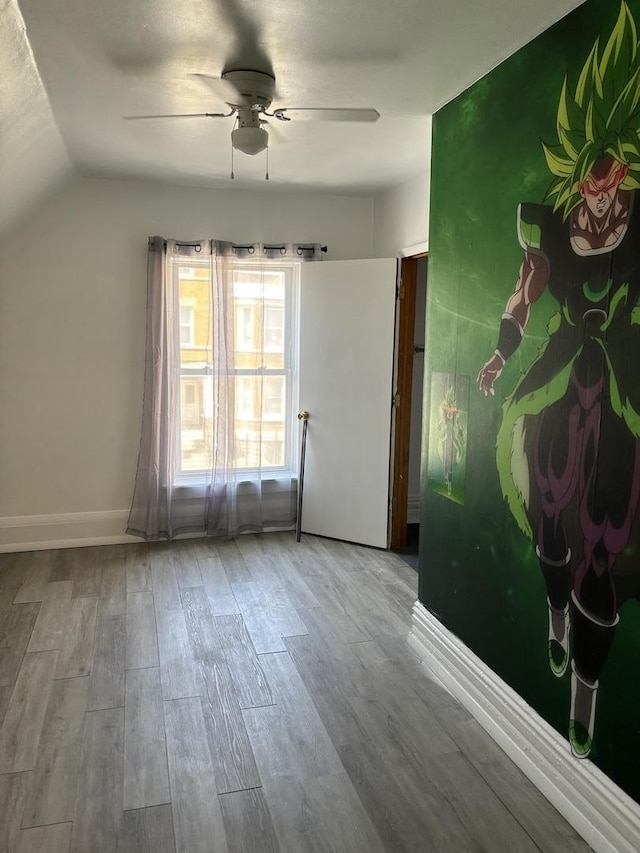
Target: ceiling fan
249	94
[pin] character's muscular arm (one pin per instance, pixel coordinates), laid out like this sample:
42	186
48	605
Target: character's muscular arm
532	280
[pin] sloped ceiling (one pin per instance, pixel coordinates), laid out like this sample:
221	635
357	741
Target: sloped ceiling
83	65
33	157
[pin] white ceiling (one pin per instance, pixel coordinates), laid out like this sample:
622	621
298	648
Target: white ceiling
100	60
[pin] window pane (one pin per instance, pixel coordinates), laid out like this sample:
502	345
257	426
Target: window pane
195	423
195	325
274	329
247	422
246	395
259	297
274	398
246	336
186	325
259	421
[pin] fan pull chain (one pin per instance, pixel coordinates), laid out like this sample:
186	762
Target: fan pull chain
232	175
266	176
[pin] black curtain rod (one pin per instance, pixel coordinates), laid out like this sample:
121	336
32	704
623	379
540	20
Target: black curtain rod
273	246
242	245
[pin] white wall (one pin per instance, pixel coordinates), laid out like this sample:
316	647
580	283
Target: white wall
72	325
401	217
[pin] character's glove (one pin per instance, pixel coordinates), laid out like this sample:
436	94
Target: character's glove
509	337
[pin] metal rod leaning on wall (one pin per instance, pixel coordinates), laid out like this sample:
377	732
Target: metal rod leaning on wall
304	417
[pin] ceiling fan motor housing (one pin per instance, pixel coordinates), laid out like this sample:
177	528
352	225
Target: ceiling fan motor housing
255	88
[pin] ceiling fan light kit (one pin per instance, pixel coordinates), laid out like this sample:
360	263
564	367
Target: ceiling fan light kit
249	140
249	137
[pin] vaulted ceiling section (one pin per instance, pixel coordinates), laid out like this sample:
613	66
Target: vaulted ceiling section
72	70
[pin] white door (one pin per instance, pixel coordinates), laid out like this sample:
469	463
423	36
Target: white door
347	317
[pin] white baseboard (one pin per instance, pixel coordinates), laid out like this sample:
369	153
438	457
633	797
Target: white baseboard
69	530
606	817
72	530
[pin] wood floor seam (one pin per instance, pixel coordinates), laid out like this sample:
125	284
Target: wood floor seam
238	790
142	808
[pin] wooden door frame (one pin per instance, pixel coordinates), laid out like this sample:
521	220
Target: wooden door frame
402	398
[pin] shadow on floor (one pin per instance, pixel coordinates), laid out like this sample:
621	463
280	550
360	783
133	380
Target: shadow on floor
410	551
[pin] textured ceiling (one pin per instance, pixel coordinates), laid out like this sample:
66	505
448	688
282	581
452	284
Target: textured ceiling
100	61
33	157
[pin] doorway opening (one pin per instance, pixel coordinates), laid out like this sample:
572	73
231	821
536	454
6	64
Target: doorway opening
406	493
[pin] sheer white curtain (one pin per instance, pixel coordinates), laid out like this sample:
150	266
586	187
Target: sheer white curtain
218	440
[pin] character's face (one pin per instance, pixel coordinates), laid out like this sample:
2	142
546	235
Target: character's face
601	185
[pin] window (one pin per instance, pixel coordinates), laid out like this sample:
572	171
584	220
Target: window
273	398
245	328
261	385
186	325
191	395
273	327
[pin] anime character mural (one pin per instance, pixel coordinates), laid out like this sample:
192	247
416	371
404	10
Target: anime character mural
568	446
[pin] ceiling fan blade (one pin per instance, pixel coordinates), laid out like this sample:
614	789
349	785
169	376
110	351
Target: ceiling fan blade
182	115
223	89
325	114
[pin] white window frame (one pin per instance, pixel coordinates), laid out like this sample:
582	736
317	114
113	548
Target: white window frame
291	270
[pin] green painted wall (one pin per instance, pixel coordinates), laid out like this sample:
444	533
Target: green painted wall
479	574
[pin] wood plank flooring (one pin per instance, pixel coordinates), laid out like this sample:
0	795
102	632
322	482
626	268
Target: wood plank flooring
249	696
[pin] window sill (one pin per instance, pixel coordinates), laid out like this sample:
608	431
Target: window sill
197	487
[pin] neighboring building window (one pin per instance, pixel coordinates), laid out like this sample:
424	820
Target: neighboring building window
191	402
273	327
274	398
245	328
186	325
263	378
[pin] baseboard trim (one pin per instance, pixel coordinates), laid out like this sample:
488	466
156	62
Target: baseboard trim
73	530
606	817
67	530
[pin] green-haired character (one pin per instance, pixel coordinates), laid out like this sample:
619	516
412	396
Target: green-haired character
452	436
569	434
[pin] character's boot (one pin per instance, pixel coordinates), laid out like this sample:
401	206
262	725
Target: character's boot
558	648
592	638
557	578
583	713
